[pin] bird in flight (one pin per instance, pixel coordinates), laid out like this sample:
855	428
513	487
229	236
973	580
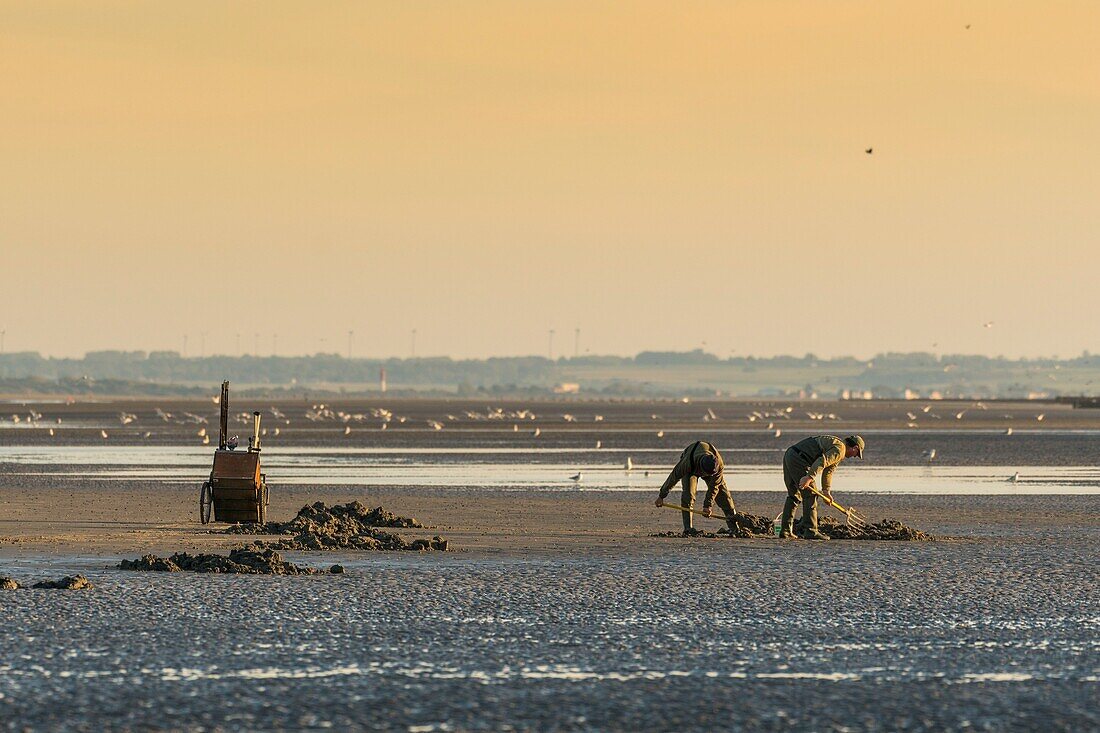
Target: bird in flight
869	150
988	324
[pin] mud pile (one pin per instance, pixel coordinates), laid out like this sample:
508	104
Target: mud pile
755	525
352	514
750	525
69	582
745	526
887	529
343	527
245	560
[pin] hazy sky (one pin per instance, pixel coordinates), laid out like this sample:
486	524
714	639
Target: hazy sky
659	174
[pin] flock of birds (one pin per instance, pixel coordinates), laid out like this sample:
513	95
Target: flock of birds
382	418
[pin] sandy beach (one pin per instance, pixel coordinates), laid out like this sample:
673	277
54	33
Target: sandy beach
555	609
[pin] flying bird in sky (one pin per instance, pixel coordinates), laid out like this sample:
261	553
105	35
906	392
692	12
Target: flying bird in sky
869	150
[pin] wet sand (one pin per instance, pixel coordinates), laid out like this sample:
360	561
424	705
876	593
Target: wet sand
557	611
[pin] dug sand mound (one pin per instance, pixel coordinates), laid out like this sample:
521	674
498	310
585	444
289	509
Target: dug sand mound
887	529
246	560
69	582
745	526
351	516
343	527
755	525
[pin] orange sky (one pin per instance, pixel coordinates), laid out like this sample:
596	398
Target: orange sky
659	174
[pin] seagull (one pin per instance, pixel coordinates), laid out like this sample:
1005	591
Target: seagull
1008	432
988	324
599	444
1014	478
629	464
385	425
103	434
435	425
347	430
598	418
778	432
968	26
515	428
206	440
537	433
1040	417
276	433
929	454
660	433
146	434
575	477
911	416
959	415
869	150
51	432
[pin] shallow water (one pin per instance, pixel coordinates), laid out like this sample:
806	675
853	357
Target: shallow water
529	469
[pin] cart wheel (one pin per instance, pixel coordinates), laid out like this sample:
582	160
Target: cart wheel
206	502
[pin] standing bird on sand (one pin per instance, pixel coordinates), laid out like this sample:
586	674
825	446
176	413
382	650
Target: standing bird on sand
576	478
629	464
929	454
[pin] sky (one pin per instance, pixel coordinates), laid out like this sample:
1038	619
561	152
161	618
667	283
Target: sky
264	177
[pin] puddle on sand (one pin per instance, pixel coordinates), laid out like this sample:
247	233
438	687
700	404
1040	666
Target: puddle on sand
437	467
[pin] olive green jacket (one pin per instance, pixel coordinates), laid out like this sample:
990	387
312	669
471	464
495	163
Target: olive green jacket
826	452
687	466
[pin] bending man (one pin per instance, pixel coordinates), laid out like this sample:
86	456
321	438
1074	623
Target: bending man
700	460
801	463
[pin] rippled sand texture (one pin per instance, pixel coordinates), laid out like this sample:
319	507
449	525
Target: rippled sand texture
996	632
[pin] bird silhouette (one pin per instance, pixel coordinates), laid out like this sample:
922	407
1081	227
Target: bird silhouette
576	477
869	150
929	454
629	464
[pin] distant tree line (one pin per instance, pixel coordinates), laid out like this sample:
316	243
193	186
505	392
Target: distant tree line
648	373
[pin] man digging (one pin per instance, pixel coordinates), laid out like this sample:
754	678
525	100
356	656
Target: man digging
801	463
700	460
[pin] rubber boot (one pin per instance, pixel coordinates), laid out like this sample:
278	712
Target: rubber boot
688	529
786	531
809	518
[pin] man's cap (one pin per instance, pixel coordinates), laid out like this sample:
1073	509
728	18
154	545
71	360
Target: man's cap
856	442
708	465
